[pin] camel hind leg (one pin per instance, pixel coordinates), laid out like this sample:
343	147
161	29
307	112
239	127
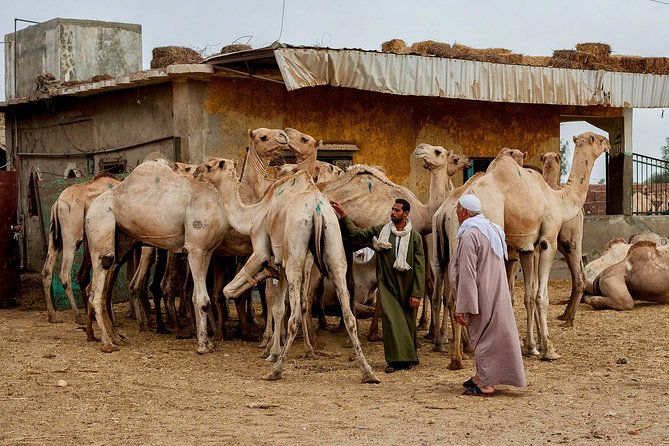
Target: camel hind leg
47	277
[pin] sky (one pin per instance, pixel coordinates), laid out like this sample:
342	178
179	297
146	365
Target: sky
532	27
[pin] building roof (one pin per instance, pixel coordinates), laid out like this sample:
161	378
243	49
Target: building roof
423	75
403	74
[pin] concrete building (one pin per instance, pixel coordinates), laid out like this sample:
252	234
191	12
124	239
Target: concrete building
71	50
369	107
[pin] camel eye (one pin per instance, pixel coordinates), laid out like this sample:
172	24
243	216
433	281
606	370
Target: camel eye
438	152
304	139
264	138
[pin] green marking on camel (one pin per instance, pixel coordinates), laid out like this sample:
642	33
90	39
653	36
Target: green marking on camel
157	180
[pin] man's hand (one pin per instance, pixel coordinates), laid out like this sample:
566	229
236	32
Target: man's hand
338	209
414	302
462	319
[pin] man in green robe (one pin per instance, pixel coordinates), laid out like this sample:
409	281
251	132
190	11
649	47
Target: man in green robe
400	269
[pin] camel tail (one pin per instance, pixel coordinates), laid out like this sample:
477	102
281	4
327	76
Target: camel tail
318	243
54	228
441	240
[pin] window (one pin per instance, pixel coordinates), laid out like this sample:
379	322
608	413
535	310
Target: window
478	165
115	167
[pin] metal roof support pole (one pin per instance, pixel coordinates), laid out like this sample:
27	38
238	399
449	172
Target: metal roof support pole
620	175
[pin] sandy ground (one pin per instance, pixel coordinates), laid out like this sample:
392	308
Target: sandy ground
609	387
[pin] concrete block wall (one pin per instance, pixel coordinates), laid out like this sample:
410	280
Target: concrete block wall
71	50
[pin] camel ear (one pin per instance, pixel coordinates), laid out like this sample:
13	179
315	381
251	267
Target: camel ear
525	155
542	158
592	138
319	143
449	153
559	157
251	133
575	139
236	162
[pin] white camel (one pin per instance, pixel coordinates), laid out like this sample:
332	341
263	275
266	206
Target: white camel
158	207
534	218
66	233
292	219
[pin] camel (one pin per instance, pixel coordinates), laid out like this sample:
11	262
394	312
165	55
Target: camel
614	252
293	218
442	252
534	218
66	233
156	206
570	240
305	149
641	275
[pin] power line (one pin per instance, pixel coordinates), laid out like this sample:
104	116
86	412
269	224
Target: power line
283	10
659	1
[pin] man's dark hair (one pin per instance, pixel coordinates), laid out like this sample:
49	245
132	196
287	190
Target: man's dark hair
406	207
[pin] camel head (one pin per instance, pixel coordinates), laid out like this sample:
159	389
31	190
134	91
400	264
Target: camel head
217	170
551	160
301	144
328	172
265	142
436	158
516	154
183	168
592	142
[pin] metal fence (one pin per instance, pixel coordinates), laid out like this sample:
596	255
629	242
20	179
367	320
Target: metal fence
650	179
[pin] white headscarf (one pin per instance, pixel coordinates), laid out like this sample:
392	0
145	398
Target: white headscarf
403	237
492	231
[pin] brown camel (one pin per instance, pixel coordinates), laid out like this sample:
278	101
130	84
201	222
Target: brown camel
158	207
641	275
66	233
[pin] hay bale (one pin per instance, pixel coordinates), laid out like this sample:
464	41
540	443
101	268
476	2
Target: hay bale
657	65
170	55
578	60
234	48
439	49
596	48
421	47
398	46
101	77
536	61
631	64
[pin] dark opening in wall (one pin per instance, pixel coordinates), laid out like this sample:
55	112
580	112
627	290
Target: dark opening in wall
115	167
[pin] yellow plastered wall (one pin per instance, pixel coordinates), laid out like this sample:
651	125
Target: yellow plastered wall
386	128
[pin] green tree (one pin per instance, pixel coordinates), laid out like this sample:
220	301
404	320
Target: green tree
565	151
664	150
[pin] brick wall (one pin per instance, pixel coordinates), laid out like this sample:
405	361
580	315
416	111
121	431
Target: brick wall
595	202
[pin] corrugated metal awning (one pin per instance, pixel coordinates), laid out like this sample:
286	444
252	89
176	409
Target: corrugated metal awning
463	79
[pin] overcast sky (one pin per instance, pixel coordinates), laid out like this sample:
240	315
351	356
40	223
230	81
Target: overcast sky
532	27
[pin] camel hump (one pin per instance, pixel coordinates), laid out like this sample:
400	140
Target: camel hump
362	169
614	241
641	245
104	175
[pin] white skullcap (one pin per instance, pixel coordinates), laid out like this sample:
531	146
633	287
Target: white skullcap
470	202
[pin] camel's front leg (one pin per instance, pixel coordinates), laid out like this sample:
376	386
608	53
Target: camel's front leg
437	303
527	263
278	312
339	282
456	353
198	260
98	305
572	248
614	293
545	262
270	296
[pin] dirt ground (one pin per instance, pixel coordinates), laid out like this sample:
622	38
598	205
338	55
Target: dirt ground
610	387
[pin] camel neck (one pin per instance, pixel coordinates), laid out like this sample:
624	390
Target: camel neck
575	191
552	176
251	182
440	186
308	164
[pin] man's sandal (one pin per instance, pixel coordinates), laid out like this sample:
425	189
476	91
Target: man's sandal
476	391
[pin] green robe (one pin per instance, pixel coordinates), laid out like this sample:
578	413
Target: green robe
395	289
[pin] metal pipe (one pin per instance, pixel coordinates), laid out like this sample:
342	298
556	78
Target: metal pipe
88	154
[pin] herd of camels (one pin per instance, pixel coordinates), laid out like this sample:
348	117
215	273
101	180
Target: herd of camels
185	217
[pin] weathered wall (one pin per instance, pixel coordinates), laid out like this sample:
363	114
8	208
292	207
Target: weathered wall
140	118
386	128
71	50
